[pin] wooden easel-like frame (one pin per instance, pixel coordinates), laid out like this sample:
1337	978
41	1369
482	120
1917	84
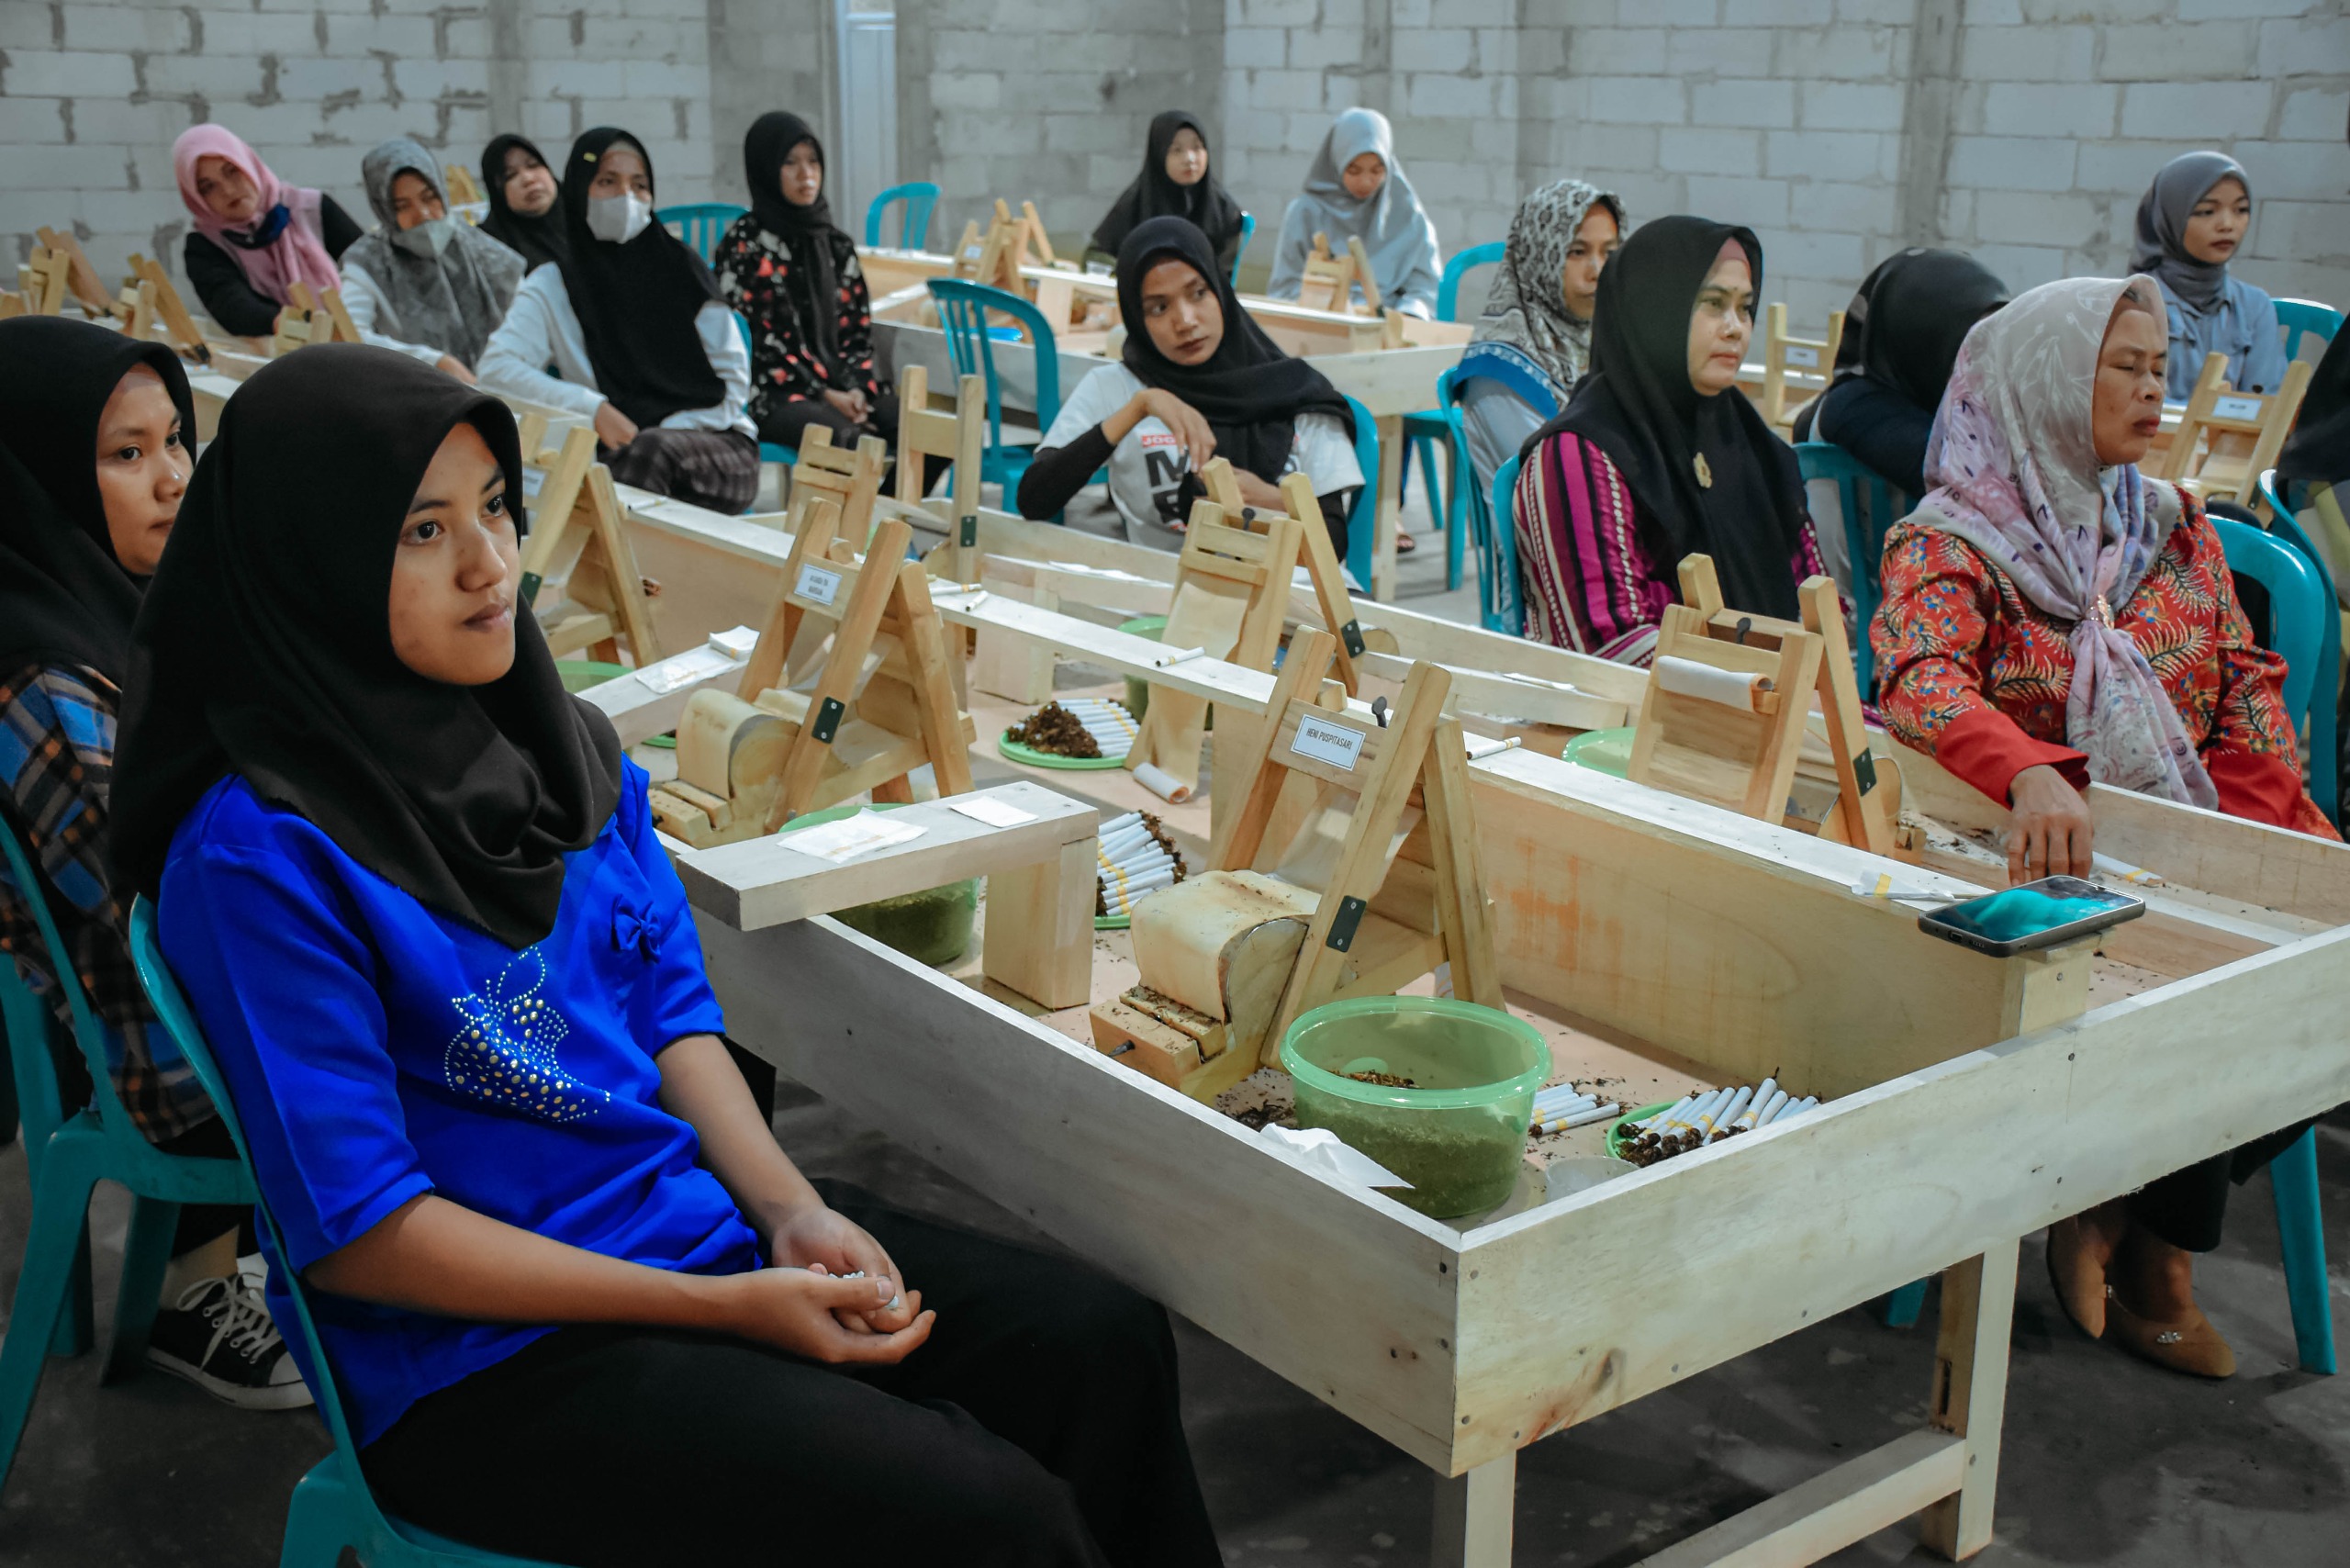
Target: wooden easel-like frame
1322	562
960	438
1363	936
1812	361
579	539
1331	279
2243	431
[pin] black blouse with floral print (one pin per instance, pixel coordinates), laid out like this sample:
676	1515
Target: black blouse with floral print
751	263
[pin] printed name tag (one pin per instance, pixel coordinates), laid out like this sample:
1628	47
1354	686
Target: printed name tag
1803	359
1340	746
818	584
971	253
2236	409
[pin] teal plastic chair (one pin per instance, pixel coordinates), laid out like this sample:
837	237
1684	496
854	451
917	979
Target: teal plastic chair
1425	429
917	196
1499	604
37	1108
2300	317
1869	506
963	311
700	224
333	1508
1362	521
1248	232
2325	781
769	452
97	1143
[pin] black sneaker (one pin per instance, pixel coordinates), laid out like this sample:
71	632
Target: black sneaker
218	1336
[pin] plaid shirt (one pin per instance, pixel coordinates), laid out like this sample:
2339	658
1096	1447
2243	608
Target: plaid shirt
57	765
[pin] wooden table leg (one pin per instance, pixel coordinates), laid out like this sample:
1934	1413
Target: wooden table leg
1039	937
1389	514
1474	1515
1970	1394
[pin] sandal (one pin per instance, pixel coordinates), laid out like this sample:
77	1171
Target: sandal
1404	542
2079	1282
2190	1345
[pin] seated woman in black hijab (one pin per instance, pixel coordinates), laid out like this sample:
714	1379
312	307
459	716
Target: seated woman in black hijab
1198	379
1659	456
525	200
1901	336
579	1305
643	342
794	277
1176	182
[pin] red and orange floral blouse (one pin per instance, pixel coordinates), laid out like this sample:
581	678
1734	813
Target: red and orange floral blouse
1977	677
752	263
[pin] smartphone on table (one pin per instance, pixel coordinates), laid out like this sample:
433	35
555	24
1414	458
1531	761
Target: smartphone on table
2049	913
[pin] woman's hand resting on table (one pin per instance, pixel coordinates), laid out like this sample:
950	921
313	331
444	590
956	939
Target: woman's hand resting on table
2048	829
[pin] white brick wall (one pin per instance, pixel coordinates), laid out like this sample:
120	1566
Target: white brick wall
92	96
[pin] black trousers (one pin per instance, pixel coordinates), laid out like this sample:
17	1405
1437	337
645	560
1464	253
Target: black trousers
717	469
1038	1426
2188	1207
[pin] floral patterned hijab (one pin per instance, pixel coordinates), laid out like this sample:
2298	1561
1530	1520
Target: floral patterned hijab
1527	310
2014	470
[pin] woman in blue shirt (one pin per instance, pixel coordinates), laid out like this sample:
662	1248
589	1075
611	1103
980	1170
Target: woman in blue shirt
2191	223
580	1305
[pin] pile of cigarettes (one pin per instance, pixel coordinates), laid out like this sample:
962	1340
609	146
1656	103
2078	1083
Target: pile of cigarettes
1081	727
1562	1106
1700	1119
1134	857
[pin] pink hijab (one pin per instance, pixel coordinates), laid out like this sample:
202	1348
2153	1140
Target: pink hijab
298	254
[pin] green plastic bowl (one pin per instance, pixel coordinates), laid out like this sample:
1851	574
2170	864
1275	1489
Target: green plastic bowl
931	927
1139	691
1601	751
1459	1135
578	674
1621	1132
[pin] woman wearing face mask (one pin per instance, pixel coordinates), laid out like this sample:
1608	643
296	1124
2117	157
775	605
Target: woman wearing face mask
424	282
1356	190
523	193
2191	223
1533	342
256	236
793	275
580	1307
1659	457
2052	617
1175	182
91	471
1199	380
640	334
1901	337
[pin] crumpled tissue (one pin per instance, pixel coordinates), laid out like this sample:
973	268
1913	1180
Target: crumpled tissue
1318	1148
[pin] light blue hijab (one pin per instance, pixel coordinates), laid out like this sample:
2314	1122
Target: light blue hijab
1393	230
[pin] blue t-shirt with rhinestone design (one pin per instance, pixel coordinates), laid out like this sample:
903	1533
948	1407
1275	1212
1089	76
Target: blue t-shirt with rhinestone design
377	1050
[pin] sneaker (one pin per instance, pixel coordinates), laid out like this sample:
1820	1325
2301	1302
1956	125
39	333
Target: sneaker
218	1336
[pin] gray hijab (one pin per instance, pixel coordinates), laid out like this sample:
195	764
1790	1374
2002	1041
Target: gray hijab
2161	249
452	301
1393	230
1527	310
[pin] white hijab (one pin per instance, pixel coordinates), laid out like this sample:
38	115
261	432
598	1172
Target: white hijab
1393	230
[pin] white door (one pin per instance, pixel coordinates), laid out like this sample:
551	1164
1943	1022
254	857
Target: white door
866	156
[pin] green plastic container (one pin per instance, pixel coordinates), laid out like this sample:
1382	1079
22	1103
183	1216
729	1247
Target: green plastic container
578	674
1601	751
1139	691
931	927
1458	1136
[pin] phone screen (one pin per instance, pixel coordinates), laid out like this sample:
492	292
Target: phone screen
2020	914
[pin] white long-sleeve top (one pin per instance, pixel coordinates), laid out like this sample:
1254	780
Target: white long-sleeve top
542	328
362	297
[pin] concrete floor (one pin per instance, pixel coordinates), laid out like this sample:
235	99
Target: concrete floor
2107	1461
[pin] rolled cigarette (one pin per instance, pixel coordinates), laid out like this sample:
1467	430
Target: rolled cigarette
1668	1112
1163	784
1761	1117
1701	1120
1177	656
1148	854
1121	837
1135	887
1564	1102
1560	1092
1120	824
1584	1118
1808	1103
1096	705
1129	871
1730	1114
1689	1113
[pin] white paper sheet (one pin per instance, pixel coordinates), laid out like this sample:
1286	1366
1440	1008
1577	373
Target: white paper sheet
851	836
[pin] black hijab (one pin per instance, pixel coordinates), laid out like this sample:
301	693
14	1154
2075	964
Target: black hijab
1903	327
1248	391
1638	407
812	281
265	649
64	599
1207	204
2317	452
537	241
636	302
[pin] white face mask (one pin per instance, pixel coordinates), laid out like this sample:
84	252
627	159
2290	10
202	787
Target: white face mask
426	238
617	218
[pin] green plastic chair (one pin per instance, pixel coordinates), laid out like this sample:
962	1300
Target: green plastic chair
97	1143
332	1508
1869	506
2325	782
700	224
917	197
963	310
1425	428
2299	316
